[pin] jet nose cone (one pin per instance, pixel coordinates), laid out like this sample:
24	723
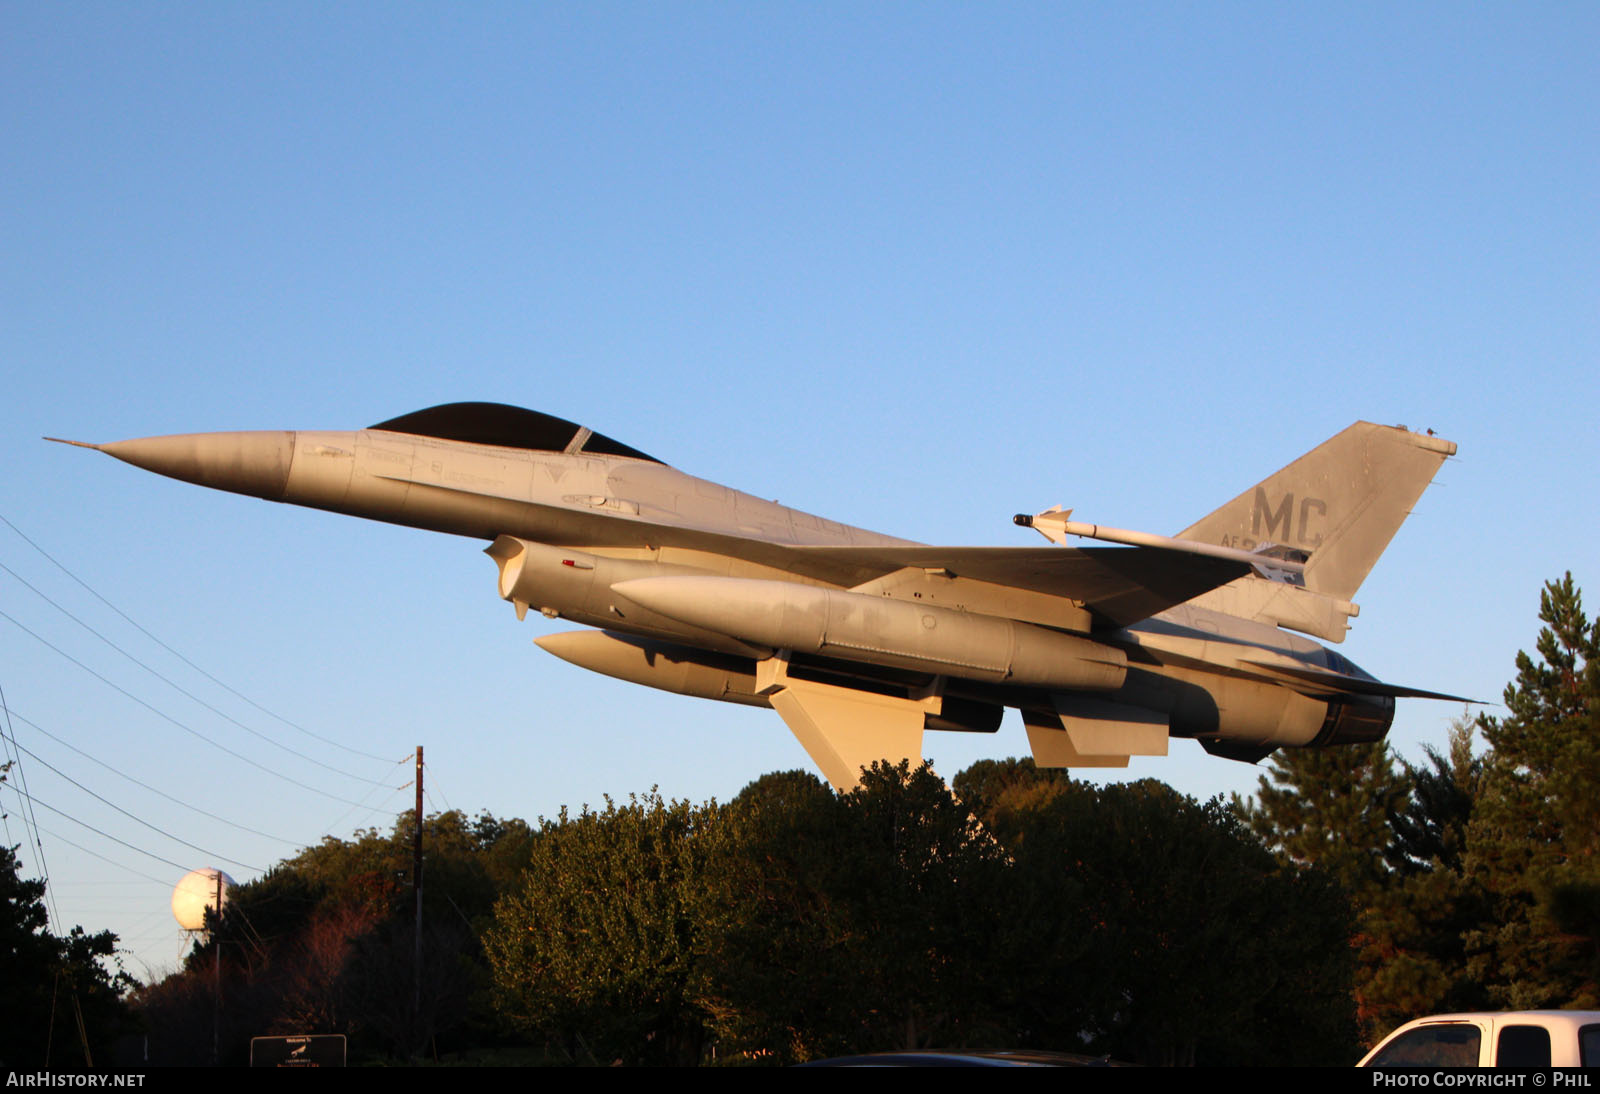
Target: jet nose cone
245	463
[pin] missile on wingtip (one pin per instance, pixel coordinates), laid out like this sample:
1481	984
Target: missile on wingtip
879	630
1054	524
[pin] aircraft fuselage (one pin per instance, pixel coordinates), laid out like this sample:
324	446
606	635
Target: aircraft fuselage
704	590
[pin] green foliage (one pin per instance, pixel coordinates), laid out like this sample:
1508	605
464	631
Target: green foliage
1412	932
795	923
595	945
1175	937
467	864
776	977
928	888
60	1006
1534	842
855	923
996	790
1395	843
1330	807
325	943
1431	832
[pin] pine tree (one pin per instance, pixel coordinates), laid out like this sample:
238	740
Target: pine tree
1330	807
1534	843
1395	841
1431	832
1411	933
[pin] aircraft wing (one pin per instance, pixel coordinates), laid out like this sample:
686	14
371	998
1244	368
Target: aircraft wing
1118	585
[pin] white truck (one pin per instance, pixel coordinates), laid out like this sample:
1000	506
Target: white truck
1522	1038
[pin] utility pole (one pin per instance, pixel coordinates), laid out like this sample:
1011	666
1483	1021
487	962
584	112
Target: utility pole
416	885
216	991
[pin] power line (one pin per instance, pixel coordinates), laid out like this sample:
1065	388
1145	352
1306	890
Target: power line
28	817
129	619
169	718
102	858
133	817
442	796
179	688
6	763
338	821
109	836
122	774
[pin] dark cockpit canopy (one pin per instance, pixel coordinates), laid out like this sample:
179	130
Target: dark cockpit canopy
508	427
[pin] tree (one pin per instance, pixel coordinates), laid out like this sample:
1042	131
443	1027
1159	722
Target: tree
997	790
854	923
596	945
1430	833
1175	937
1396	841
777	975
1331	807
324	942
1534	841
60	1006
1412	932
929	899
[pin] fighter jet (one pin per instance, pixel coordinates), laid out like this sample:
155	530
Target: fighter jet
860	641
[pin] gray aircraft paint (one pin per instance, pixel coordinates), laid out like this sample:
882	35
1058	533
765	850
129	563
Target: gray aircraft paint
863	641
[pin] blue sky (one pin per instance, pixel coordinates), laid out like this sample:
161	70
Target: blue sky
914	267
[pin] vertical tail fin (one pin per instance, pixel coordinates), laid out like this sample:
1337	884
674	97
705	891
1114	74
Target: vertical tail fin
1342	502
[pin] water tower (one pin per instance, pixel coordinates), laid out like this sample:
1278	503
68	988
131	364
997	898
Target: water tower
201	891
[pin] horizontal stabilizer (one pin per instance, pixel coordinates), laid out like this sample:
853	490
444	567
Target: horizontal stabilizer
1338	682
